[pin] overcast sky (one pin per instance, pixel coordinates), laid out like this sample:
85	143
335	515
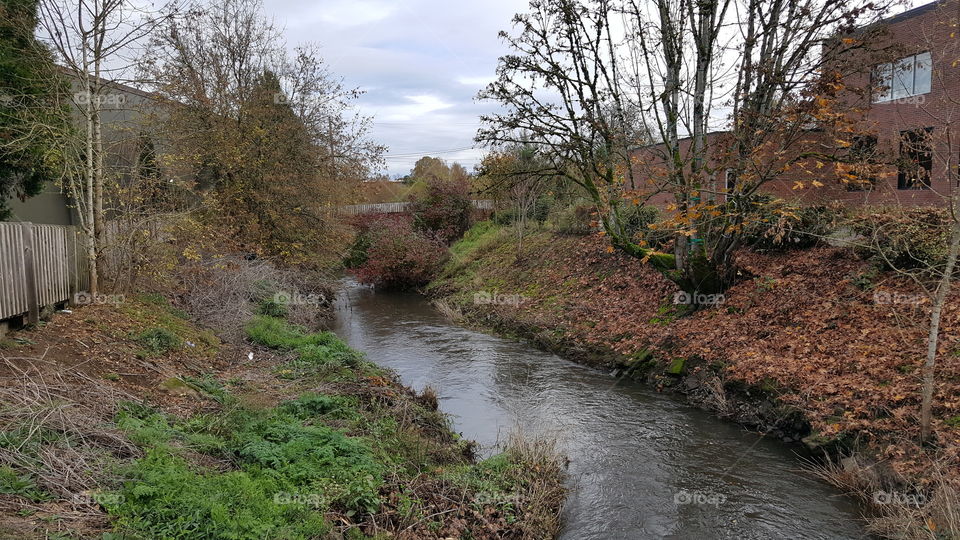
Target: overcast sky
421	62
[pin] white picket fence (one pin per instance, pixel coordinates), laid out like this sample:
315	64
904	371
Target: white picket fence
398	207
40	265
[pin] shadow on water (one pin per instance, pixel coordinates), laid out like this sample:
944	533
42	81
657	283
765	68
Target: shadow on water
643	464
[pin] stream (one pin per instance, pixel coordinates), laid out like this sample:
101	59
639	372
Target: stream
642	464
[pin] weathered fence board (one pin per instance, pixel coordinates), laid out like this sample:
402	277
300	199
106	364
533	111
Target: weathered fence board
13	290
40	265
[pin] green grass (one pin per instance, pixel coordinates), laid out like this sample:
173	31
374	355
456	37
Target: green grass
280	472
313	351
157	341
272	308
168	498
482	234
13	483
159	328
290	468
210	386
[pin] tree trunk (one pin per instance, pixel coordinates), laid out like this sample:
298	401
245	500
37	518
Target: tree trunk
89	173
98	180
929	366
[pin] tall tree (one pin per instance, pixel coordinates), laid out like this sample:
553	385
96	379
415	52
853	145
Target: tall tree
582	69
268	133
92	40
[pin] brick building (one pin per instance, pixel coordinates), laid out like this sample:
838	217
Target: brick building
905	95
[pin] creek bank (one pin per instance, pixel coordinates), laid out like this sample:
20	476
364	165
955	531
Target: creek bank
800	348
290	434
635	454
752	406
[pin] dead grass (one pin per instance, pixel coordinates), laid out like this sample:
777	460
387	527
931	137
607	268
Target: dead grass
545	469
899	510
223	294
64	449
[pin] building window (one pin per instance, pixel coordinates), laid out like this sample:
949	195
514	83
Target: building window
916	159
863	159
906	77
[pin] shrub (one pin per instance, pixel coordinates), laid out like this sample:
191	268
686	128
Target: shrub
574	219
444	209
402	258
638	224
904	238
538	213
541	209
778	225
157	340
505	216
367	225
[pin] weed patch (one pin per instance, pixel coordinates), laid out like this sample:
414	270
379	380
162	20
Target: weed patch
156	341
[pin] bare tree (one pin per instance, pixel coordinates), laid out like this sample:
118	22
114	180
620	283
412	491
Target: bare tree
579	67
93	40
519	174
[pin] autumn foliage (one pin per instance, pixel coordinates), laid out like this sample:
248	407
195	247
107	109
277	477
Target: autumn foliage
444	209
400	257
813	327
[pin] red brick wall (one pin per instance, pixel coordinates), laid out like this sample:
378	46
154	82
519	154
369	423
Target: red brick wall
927	28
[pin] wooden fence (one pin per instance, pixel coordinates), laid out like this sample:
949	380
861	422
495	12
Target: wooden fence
40	265
398	207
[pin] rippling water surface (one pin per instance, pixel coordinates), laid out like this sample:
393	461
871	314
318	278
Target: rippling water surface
638	459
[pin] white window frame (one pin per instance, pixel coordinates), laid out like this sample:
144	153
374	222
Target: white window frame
899	80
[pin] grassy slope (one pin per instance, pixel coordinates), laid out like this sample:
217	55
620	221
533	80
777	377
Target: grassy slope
308	440
830	364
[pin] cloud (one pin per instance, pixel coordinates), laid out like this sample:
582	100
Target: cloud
481	81
422	105
341	13
420	63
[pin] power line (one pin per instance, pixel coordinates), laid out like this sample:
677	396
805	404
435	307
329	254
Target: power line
421	154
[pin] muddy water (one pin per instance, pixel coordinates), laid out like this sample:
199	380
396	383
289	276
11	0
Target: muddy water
643	465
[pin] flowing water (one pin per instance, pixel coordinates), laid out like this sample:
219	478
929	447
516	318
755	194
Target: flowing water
642	464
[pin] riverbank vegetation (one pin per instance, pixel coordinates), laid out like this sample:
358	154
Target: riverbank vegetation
286	434
405	251
814	342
